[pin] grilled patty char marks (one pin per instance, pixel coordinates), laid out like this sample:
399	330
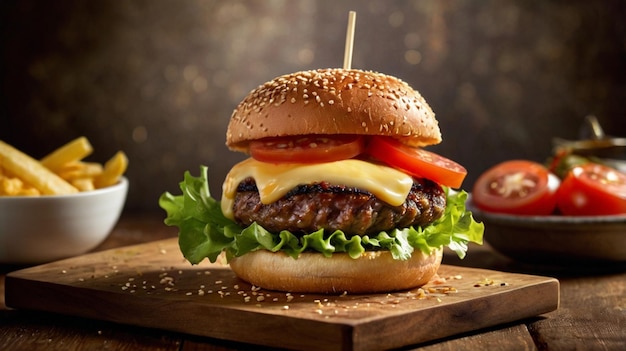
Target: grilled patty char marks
308	208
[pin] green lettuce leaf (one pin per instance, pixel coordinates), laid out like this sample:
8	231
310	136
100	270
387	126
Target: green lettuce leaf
204	231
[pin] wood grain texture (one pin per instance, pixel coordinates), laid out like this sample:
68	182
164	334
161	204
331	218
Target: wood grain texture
594	313
151	285
33	330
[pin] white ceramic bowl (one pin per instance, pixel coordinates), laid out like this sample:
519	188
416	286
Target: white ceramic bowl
556	240
46	228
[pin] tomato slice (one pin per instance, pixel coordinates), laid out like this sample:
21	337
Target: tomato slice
592	190
307	148
417	162
516	187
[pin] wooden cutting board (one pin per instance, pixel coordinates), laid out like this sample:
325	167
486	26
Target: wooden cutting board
151	285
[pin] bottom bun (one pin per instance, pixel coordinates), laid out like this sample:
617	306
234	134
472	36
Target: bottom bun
313	273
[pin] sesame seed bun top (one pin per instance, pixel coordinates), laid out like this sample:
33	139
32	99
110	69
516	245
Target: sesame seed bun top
333	101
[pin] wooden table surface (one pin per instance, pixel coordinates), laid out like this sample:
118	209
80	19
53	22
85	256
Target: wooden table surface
591	316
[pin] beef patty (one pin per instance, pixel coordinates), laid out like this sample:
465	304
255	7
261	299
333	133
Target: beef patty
308	208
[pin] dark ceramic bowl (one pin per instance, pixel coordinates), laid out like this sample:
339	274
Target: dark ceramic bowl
560	240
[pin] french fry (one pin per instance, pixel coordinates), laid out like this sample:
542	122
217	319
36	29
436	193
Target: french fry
83	184
113	170
28	191
15	187
73	151
79	170
17	163
61	172
10	186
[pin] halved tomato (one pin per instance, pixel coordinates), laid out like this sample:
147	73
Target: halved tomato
307	148
516	187
592	190
417	162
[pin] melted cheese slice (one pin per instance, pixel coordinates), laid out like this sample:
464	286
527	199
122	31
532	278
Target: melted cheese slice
275	180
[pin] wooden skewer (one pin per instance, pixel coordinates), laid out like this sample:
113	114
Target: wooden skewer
347	57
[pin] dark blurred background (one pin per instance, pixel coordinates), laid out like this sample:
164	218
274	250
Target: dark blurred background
160	78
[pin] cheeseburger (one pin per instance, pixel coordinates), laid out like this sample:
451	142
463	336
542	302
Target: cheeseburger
338	194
